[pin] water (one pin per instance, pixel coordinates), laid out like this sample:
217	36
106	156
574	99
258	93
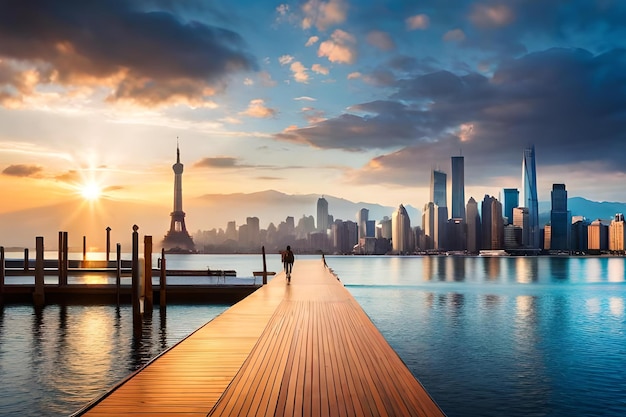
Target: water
528	336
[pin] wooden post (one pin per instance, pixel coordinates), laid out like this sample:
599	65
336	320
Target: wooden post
38	295
147	287
66	256
264	266
25	259
1	275
135	278
162	280
108	229
84	249
118	273
60	259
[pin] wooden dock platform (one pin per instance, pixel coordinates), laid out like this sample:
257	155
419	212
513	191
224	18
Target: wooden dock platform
301	349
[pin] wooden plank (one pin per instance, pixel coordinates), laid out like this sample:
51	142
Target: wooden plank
299	349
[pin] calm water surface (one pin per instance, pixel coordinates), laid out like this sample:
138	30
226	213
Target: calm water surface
485	336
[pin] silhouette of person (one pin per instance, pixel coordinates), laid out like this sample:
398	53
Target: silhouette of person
288	260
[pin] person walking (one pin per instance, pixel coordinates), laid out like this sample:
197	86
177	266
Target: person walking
288	260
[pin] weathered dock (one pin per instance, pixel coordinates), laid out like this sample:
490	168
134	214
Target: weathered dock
301	349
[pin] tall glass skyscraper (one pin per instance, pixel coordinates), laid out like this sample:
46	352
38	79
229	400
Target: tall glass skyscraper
529	195
560	219
401	231
458	187
511	200
438	193
322	214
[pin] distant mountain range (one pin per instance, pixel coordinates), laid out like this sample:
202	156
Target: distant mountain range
206	212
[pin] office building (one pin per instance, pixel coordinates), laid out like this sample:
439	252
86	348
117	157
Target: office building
529	195
560	220
322	215
579	237
428	226
401	231
511	200
473	226
438	184
458	187
362	216
492	224
520	219
617	237
598	237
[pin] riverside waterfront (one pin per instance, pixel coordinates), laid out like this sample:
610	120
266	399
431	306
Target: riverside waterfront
485	336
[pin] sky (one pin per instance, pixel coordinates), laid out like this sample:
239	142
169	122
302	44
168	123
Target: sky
355	99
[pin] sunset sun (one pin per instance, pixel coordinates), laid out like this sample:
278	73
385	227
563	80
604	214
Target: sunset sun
90	191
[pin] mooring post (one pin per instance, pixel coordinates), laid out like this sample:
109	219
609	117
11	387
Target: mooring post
25	259
135	276
162	280
118	273
1	274
147	255
38	295
60	259
62	265
264	266
108	229
84	249
66	257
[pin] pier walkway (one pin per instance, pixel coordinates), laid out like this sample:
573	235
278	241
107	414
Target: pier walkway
301	349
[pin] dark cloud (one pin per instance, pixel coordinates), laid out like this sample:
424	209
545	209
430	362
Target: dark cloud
569	102
21	170
146	56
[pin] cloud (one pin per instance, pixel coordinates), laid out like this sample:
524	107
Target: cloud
419	21
266	79
319	69
300	73
72	176
339	48
257	109
381	40
157	58
304	98
354	75
248	81
217	162
312	41
21	170
454	35
491	16
568	102
323	14
312	115
285	59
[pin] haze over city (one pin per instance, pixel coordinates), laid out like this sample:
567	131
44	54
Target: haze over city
359	100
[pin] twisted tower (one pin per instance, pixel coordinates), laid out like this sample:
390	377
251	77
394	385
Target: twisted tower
178	239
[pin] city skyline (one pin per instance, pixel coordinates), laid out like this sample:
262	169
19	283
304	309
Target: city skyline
347	98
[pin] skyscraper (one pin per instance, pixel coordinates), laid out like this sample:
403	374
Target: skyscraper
428	226
362	216
492	225
458	187
438	188
322	214
177	238
617	235
473	226
560	219
511	200
529	195
401	231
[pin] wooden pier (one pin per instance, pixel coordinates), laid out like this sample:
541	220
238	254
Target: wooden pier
301	349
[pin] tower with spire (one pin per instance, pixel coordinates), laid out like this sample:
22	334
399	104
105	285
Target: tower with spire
177	238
